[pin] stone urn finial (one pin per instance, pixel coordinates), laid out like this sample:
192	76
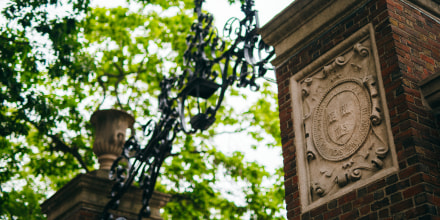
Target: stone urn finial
110	128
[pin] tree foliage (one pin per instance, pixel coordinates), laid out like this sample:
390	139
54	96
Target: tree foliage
62	60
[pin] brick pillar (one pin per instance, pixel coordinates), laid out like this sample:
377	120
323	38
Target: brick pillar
358	98
85	196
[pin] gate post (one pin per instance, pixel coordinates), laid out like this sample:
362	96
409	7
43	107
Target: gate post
360	141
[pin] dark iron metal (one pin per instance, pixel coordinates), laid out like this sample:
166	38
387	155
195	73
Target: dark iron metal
204	75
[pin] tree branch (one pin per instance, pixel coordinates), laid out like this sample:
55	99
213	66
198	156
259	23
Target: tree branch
191	152
180	196
121	71
138	72
101	83
120	78
63	147
232	132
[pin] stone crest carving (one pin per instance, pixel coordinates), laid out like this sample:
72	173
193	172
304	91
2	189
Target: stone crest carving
341	120
345	141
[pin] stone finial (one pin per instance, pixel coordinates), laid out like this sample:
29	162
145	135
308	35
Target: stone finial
110	131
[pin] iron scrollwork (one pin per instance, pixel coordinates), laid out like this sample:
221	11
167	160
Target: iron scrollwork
226	63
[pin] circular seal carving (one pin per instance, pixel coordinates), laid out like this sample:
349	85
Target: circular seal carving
341	120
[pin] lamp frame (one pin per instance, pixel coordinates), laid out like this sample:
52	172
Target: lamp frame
237	65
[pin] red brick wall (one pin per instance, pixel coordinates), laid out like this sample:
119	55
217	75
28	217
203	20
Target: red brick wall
408	43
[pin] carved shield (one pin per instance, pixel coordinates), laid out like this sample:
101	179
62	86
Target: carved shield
341	120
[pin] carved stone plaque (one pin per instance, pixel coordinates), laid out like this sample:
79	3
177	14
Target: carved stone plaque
341	120
341	116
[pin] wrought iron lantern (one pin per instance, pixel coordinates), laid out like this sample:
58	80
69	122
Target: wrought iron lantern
207	76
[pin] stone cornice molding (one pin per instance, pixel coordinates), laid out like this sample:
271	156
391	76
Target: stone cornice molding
431	91
431	6
296	25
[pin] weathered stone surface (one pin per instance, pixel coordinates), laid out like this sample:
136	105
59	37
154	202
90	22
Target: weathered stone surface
110	128
85	197
344	133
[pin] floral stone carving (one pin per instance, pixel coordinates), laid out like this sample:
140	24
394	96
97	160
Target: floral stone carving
345	141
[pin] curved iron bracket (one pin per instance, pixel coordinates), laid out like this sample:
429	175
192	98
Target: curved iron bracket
241	63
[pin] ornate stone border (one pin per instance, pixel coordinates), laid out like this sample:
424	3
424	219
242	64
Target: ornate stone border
300	141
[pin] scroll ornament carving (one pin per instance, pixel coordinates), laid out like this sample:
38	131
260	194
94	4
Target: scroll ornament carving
342	119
